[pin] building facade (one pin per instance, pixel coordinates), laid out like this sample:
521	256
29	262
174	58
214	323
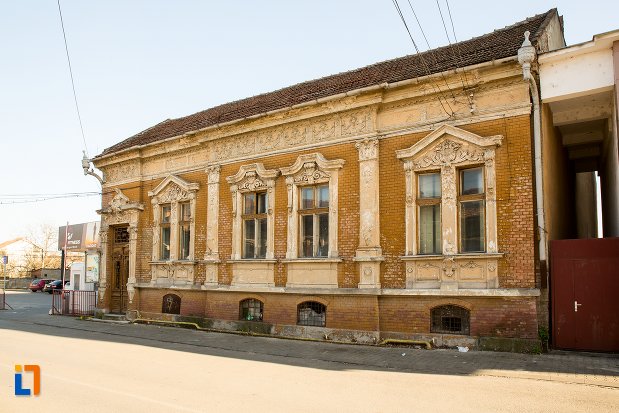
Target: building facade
392	201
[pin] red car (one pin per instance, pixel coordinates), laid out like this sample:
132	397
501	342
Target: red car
38	285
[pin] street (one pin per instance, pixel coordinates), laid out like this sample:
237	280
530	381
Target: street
89	366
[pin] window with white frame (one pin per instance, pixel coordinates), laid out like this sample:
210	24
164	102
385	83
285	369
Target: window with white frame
255	224
429	212
184	226
174	203
471	210
253	200
450	193
312	183
166	213
314	220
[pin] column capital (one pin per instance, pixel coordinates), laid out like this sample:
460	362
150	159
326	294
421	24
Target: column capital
368	149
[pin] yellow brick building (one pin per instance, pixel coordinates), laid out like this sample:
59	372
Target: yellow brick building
391	201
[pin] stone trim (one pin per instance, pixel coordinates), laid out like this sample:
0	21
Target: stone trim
174	191
496	292
447	149
251	178
311	169
369	253
119	211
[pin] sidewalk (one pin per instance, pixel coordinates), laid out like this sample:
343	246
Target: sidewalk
565	367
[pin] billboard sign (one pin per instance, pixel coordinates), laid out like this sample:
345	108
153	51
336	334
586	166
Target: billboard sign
79	237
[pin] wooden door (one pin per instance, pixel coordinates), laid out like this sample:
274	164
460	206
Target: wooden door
120	270
585	286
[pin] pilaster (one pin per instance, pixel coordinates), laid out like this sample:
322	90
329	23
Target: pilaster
369	252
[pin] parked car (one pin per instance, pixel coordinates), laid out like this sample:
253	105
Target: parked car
38	285
54	285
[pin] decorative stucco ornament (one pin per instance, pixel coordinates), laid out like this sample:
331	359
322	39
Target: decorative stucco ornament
526	55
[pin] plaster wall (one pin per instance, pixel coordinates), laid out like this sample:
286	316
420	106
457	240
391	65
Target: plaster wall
610	177
564	76
558	195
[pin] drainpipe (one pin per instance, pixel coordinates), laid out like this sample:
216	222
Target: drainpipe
526	56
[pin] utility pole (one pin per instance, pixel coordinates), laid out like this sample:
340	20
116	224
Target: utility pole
5	260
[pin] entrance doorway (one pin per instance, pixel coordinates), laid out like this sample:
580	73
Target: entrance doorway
585	287
120	270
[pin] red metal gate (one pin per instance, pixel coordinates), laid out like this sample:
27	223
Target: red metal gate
69	302
585	294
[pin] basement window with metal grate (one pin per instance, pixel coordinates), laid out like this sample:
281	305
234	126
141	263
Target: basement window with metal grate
251	310
450	319
311	313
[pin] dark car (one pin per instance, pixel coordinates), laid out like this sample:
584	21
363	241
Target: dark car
38	285
54	285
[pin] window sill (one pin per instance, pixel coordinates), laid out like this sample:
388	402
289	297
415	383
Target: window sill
456	256
253	261
312	260
174	262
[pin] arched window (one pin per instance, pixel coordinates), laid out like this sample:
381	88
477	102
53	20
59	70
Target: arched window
450	319
311	313
171	304
251	310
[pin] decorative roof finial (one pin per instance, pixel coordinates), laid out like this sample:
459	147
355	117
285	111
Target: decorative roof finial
526	55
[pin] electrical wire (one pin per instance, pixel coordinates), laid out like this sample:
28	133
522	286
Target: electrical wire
449	113
453	29
451	46
34	198
66	47
453	96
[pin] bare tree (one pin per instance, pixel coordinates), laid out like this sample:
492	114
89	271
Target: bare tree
43	252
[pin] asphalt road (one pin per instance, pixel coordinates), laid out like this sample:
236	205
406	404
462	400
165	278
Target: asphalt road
98	367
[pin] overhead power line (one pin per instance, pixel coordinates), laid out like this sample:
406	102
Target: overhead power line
451	46
453	96
8	199
66	47
453	29
428	72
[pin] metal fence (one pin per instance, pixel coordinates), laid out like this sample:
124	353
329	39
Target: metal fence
69	302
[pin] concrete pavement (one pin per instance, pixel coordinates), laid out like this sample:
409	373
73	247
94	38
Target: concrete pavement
349	377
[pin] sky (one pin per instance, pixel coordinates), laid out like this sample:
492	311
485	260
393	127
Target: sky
138	62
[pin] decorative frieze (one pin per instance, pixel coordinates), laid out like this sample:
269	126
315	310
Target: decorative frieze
323	129
122	171
452	272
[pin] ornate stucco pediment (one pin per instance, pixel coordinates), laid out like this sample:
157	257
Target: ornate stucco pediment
311	168
119	204
173	189
449	145
253	177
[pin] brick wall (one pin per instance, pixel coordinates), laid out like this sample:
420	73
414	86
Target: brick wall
514	186
489	317
501	317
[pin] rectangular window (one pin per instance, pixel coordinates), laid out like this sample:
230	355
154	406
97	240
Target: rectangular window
185	230
166	213
314	221
429	213
255	207
471	202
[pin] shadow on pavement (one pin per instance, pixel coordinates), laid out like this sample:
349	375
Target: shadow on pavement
30	315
